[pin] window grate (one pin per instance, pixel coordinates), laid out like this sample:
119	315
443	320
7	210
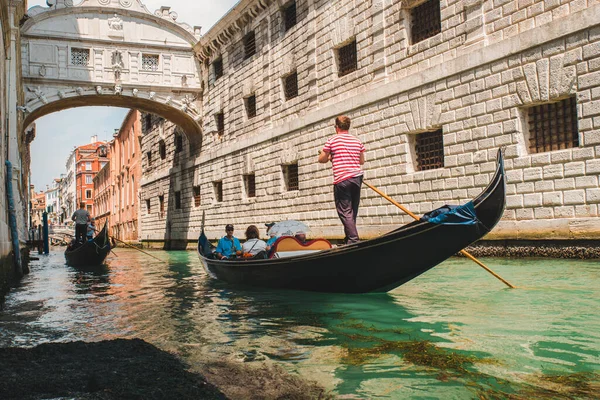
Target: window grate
80	57
162	149
553	126
220	120
289	16
196	196
430	150
347	59
148	122
178	142
251	106
218	68
148	206
290	85
149	155
161	206
250	185
149	62
218	186
249	45
425	20
178	200
290	176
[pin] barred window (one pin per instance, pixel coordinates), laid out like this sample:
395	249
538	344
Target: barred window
196	196
425	20
347	59
290	176
220	120
430	150
161	206
149	62
251	106
80	57
148	206
218	187
249	45
149	156
218	68
290	85
289	15
148	122
178	200
553	126
162	149
250	185
178	142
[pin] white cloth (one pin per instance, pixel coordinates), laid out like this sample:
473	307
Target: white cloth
254	246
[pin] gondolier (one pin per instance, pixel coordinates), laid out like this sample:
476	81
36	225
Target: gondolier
347	155
81	218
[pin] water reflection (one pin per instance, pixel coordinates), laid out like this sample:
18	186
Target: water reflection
450	333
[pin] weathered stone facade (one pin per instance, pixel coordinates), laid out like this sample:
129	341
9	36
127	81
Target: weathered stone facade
476	80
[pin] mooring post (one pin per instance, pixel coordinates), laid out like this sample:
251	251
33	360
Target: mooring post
46	244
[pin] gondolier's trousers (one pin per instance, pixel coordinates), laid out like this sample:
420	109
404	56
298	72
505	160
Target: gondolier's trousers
347	198
80	232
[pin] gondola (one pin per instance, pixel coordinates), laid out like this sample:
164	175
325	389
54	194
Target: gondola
91	252
376	265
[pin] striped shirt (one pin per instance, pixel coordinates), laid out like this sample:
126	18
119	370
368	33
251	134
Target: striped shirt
345	152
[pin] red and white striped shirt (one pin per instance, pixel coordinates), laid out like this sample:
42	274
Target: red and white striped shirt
345	152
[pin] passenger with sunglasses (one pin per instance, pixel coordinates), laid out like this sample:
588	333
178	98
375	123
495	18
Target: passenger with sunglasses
228	246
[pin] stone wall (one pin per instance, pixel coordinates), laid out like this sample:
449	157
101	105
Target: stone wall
475	80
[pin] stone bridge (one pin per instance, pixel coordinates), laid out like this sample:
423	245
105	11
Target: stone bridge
111	53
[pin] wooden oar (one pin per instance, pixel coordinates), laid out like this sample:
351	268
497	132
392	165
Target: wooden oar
133	247
463	252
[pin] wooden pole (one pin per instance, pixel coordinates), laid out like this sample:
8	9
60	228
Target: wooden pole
135	248
463	252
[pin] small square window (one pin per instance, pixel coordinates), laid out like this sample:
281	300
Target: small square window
80	57
429	149
148	206
251	106
88	166
249	45
553	126
289	16
220	120
178	200
290	176
347	59
250	185
290	85
162	149
425	21
196	196
88	194
218	68
218	187
149	62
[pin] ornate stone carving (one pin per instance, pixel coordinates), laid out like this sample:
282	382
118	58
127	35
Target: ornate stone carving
99	89
42	70
79	91
118	89
37	93
188	103
184	79
61	94
151	95
115	23
126	3
168	100
135	92
117	64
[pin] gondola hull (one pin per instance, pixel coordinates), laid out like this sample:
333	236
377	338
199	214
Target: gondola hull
377	265
91	253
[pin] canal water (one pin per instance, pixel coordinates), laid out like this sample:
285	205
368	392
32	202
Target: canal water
453	333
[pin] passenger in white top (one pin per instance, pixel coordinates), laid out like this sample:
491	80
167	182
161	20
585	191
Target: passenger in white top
253	245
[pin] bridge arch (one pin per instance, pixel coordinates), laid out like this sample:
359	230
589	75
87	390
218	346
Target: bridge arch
111	53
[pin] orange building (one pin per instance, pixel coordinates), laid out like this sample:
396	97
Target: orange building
89	160
117	185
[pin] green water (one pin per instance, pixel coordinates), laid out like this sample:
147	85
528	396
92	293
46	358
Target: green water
454	333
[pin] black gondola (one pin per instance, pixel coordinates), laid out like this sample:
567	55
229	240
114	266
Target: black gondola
377	265
91	252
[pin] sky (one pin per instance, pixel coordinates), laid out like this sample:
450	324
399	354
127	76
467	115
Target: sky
57	134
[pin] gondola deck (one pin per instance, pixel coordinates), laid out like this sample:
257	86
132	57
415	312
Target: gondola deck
91	253
376	265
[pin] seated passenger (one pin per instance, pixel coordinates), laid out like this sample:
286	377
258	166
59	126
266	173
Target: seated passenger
91	229
272	236
301	236
253	245
228	245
